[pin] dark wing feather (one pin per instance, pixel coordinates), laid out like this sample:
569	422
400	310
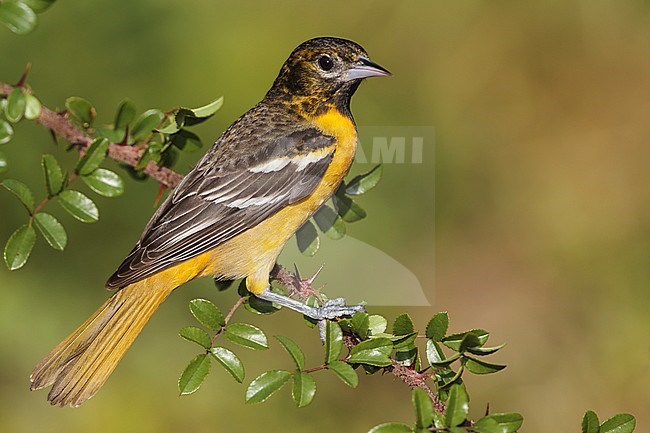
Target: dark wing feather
228	192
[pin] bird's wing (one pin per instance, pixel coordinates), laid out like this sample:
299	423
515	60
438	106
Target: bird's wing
228	192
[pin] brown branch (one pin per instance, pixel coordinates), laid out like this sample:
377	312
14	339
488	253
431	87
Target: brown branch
60	124
234	308
416	380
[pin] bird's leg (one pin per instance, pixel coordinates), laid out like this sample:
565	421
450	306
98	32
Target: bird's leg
331	309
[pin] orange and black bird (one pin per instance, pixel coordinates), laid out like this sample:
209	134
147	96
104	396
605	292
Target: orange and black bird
232	214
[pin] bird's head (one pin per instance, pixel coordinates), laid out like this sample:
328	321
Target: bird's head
324	71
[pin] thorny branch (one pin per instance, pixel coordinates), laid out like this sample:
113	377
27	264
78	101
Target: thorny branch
60	124
408	375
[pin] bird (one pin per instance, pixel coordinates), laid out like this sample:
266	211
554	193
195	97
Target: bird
231	215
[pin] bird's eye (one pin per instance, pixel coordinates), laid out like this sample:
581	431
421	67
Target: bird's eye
325	62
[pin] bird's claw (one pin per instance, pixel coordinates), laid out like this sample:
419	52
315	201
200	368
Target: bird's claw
332	309
335	308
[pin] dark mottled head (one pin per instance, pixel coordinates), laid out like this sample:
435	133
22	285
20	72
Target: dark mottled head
323	72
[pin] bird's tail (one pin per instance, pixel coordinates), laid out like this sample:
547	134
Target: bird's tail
81	363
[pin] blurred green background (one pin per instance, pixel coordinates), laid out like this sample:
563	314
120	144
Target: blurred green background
542	227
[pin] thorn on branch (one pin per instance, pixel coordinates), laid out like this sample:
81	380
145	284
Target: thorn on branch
53	135
23	77
161	191
303	288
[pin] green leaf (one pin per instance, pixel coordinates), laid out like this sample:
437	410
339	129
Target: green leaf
590	423
373	352
208	110
482	351
18	17
434	352
423	408
439	418
193	116
446	361
363	183
38	6
247	335
404	341
377	324
15	108
477	366
407	355
81	109
360	323
110	134
507	422
457	406
104	182
196	335
125	114
348	209
477	336
333	341
93	157
265	385
621	423
304	388
21	191
186	141
53	175
3	162
403	325
437	326
207	314
146	123
454	379
52	230
261	306
391	427
230	362
194	374
294	351
32	107
169	127
329	222
344	372
79	206
469	341
487	424
307	238
19	247
6	131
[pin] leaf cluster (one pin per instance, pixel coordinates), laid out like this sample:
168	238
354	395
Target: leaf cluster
159	134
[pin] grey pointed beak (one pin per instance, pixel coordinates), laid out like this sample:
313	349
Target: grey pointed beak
365	69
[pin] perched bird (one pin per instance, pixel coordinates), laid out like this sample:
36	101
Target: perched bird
232	214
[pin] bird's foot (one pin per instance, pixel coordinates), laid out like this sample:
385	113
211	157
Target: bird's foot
335	308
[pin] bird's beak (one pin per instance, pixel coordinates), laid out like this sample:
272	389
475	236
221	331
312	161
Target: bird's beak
366	68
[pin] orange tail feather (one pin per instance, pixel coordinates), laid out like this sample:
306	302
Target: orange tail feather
81	363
